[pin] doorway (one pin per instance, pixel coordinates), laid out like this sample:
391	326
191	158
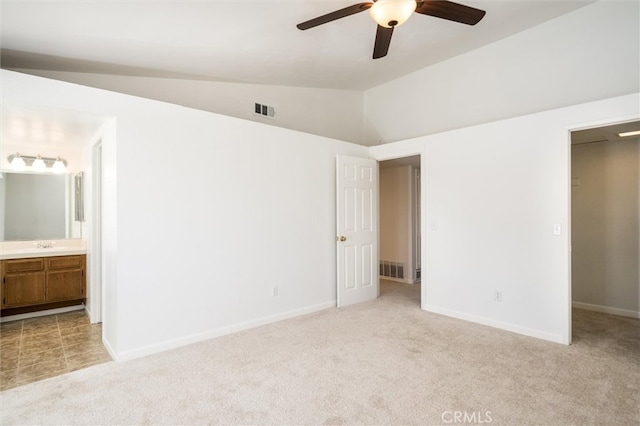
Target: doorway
400	250
605	220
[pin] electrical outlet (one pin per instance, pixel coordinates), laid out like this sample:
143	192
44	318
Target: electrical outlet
274	290
497	296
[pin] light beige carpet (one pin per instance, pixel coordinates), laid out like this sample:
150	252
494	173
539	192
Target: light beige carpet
381	362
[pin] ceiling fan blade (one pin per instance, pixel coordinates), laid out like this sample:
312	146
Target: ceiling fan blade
450	11
383	40
342	13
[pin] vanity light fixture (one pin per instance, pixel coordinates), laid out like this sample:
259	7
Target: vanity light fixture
626	134
59	166
19	163
38	165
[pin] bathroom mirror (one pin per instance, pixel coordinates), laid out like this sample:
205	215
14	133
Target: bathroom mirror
38	207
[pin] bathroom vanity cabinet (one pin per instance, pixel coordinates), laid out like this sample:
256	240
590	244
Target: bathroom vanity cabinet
36	283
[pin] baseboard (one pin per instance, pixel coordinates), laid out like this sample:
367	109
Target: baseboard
606	309
222	331
556	338
36	314
398	280
89	313
109	349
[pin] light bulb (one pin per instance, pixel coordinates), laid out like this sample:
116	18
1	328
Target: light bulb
58	166
18	163
392	13
38	165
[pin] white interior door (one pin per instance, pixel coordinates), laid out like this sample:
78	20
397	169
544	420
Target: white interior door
357	230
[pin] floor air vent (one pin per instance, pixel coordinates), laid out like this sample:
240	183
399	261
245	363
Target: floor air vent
391	269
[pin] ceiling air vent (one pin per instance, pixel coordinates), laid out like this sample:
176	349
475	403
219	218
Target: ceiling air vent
264	110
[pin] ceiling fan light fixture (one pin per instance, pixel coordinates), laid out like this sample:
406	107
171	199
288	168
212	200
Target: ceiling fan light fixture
392	13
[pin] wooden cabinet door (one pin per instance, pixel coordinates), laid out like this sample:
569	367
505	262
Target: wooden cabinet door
37	281
65	285
23	289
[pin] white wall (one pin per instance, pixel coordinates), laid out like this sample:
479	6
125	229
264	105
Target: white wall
205	213
606	235
491	194
332	113
590	54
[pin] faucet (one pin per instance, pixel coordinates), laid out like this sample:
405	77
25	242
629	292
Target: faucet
44	244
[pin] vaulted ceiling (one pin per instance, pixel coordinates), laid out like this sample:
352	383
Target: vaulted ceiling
234	40
245	41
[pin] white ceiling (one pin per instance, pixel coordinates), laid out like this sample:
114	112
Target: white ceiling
237	41
34	129
245	41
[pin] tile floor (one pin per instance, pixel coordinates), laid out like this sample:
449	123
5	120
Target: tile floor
37	348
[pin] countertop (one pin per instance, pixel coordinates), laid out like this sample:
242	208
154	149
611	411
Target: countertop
21	252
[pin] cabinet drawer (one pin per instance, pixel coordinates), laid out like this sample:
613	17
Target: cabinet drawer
24	265
65	262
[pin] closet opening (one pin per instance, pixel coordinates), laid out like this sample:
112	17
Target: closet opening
605	226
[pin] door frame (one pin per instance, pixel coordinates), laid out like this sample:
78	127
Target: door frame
569	130
97	252
412	153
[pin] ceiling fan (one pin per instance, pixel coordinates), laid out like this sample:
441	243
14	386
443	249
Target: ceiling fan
389	14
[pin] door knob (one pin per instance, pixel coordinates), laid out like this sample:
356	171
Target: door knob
341	238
